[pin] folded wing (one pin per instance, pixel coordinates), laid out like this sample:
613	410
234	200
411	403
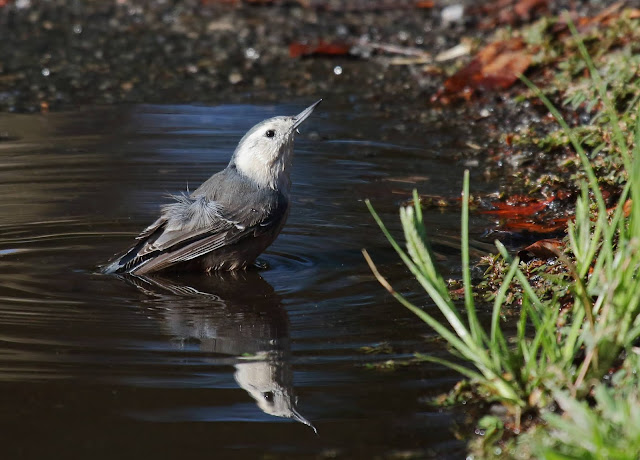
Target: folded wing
187	229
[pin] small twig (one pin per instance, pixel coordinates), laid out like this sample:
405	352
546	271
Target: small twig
583	370
588	305
381	279
588	310
393	49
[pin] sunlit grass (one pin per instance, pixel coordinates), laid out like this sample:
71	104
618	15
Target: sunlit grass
550	369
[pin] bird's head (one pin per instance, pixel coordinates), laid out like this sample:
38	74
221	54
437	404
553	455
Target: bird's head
264	154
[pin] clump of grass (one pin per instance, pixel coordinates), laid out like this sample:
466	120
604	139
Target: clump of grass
607	428
508	374
559	66
549	366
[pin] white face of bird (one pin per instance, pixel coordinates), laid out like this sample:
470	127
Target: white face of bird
265	153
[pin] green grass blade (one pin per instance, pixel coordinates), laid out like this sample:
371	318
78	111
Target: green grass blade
586	164
474	325
601	87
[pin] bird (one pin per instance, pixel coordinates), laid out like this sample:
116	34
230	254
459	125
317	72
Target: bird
227	222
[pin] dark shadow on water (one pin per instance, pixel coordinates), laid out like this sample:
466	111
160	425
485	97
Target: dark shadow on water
235	314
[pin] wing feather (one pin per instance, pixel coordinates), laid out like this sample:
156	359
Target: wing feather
191	227
191	251
147	232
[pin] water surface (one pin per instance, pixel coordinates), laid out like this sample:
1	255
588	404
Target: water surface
223	366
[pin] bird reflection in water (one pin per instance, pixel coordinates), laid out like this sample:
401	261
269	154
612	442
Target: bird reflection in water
238	314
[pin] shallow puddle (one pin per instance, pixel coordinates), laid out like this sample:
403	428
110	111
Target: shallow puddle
224	365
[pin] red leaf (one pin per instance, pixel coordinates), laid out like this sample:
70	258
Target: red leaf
496	66
320	48
518	206
527	225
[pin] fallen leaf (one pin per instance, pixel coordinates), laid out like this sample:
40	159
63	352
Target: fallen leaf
541	249
499	12
634	13
320	48
496	66
530	226
525	9
518	205
607	14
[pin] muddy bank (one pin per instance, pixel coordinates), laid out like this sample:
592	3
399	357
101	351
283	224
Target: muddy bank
62	54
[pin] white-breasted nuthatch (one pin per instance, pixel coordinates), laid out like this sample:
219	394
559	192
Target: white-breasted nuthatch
232	217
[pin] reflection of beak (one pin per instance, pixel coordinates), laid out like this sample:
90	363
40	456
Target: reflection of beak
296	415
302	116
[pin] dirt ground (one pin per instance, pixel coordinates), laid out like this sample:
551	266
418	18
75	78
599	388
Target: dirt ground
61	54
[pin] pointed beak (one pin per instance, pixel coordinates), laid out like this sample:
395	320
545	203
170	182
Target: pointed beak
295	415
302	116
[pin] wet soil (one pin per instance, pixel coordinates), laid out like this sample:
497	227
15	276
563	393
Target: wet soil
63	54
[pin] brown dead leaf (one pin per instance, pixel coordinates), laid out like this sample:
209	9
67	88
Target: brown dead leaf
525	9
496	66
607	14
499	12
541	249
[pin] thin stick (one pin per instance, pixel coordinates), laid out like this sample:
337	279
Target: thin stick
381	279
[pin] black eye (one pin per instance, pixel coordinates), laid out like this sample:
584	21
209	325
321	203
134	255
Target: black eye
268	396
270	133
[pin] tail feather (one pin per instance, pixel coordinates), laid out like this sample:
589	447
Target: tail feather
127	262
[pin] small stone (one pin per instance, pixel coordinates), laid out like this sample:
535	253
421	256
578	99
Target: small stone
452	13
251	53
235	78
342	30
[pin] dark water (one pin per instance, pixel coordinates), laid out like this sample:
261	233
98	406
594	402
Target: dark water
94	366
